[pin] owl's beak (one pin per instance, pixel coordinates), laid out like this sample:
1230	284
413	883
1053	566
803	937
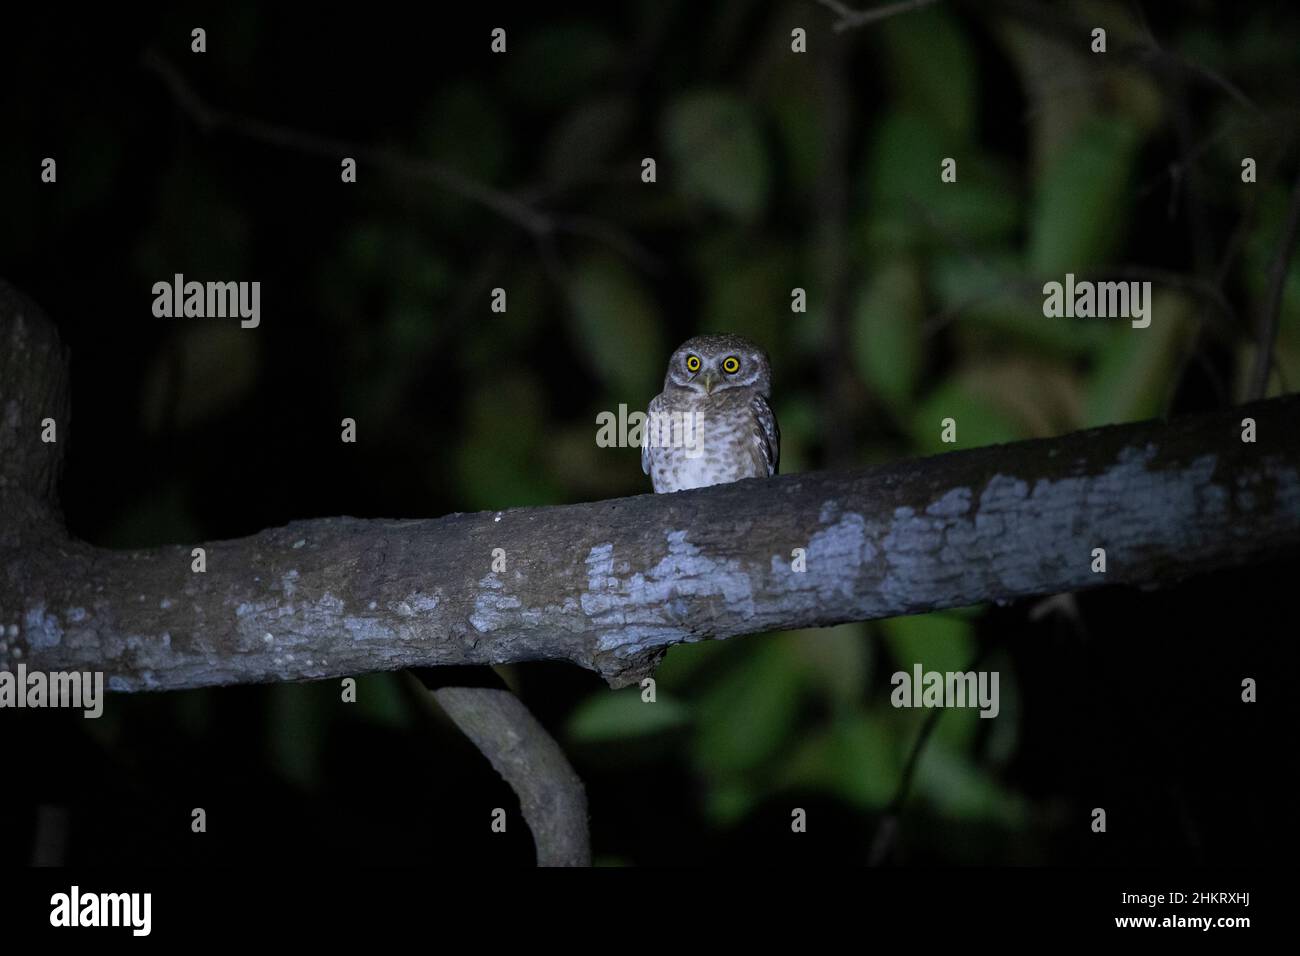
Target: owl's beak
708	380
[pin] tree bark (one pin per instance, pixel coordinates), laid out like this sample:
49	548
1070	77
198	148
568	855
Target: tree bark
610	585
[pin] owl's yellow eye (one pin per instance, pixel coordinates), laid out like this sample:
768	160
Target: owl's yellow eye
692	363
731	365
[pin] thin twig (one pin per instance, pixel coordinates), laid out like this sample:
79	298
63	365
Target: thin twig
850	18
1048	22
887	830
537	223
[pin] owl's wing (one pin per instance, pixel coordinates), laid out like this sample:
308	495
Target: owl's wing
650	411
768	434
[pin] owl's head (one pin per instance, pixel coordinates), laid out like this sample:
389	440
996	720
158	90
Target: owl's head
711	363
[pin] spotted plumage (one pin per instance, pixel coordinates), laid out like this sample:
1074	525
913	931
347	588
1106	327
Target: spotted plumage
712	422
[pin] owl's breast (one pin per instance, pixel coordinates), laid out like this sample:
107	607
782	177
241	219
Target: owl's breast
711	445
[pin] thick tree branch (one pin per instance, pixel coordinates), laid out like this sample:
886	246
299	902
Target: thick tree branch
611	584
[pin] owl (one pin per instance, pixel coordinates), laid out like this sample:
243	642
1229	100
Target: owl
711	423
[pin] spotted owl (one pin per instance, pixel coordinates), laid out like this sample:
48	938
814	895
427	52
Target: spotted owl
711	423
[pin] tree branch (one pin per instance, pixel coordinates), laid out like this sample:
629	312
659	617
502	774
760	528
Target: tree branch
610	585
551	795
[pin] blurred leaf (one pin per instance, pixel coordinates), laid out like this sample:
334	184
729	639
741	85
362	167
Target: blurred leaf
887	332
617	715
902	176
617	326
745	717
985	301
718	153
935	641
909	203
685	662
979	420
958	789
1133	375
728	801
931	67
1082	199
1060	83
854	759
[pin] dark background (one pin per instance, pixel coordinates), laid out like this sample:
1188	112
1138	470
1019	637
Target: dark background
775	170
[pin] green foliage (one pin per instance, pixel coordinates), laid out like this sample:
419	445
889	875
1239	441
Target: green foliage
932	68
979	419
749	713
956	787
1081	202
991	303
910	205
618	715
887	332
1133	370
855	758
939	642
